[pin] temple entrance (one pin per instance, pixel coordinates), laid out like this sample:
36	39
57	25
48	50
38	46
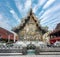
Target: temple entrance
30	52
31	46
31	49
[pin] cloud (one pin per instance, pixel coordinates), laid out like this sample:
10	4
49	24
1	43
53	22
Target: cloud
51	23
38	5
52	27
50	11
54	19
4	22
1	16
46	10
5	25
27	4
48	3
23	7
50	17
15	15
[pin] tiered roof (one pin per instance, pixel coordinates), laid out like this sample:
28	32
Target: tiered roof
24	21
56	30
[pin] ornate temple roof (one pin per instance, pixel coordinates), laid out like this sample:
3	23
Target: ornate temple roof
25	19
58	26
56	30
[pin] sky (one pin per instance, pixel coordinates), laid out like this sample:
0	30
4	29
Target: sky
12	12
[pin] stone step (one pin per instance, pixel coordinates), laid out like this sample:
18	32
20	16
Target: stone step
10	54
18	54
49	53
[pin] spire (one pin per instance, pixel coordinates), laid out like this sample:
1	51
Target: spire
30	11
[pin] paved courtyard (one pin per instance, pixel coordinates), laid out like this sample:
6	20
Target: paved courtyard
33	56
53	54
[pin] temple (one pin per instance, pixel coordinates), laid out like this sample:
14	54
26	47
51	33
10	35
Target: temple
30	28
56	31
55	34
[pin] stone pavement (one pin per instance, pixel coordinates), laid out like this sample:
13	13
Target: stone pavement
33	56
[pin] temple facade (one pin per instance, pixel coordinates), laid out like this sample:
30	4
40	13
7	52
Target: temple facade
55	34
30	28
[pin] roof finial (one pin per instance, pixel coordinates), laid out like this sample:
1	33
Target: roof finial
31	9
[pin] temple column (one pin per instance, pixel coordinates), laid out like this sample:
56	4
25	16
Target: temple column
8	38
14	38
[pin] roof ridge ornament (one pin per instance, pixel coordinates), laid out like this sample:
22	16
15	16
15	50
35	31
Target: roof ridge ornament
30	11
